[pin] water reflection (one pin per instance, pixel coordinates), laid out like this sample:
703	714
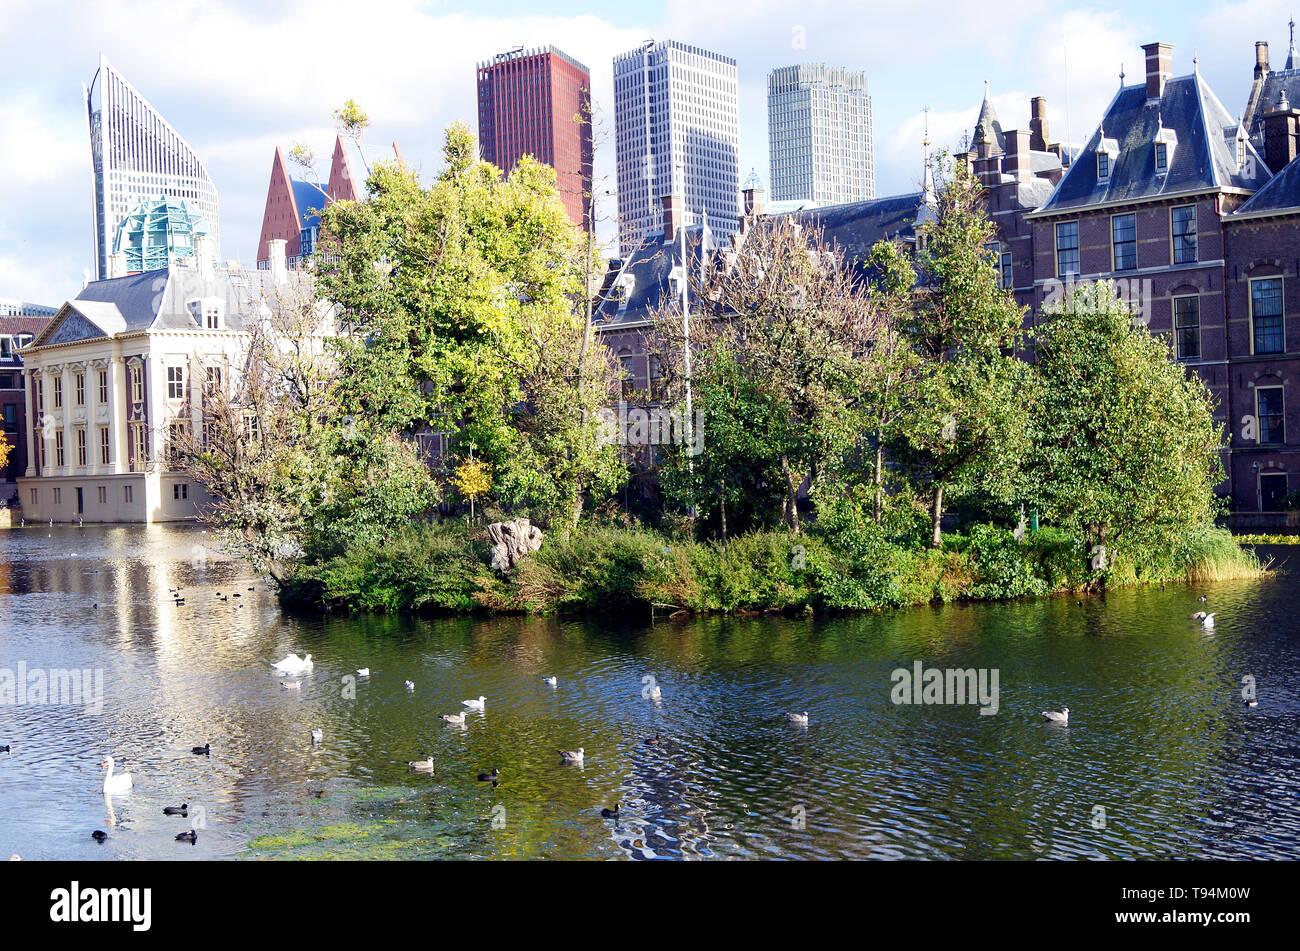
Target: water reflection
1158	738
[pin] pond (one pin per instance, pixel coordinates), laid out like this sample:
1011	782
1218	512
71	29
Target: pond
1160	758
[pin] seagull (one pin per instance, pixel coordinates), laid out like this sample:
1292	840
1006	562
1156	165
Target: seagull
611	813
572	756
182	810
1051	716
191	837
800	718
550	681
410	685
317	737
363	671
204	750
423	765
290	684
454	718
474	704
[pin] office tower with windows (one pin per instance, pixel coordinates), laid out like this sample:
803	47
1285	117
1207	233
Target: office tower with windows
538	102
136	156
677	123
819	133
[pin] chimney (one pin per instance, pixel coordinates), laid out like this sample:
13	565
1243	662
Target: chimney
1016	163
1038	137
988	170
1281	130
753	201
117	265
279	268
1261	59
203	255
672	217
1159	68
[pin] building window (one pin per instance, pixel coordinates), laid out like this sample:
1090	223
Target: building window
58	495
1269	409
1004	268
1272	491
103	387
101	494
137	383
250	428
58	392
81	447
176	383
1162	158
1184	229
1123	237
79	389
629	376
1067	248
40	396
1266	315
1187	327
126	494
11	417
6	348
58	448
103	445
9	381
44	458
137	447
1103	165
181	491
214	379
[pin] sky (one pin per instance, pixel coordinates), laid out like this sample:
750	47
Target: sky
236	78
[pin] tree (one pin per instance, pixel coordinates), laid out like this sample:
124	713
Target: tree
465	304
966	431
352	123
6	448
472	479
1126	449
789	315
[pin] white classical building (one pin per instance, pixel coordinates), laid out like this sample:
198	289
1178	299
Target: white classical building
120	372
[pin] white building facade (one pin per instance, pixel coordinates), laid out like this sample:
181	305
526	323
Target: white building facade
820	144
119	375
677	119
137	156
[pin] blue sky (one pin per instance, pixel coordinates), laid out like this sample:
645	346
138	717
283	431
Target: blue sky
237	77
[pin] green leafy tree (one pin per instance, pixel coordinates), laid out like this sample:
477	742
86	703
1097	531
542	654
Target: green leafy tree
1126	448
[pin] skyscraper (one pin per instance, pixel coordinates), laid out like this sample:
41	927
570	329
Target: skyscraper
538	102
819	132
137	156
676	116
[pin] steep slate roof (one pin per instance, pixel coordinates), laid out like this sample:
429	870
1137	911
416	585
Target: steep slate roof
1203	158
157	300
1281	194
306	197
987	127
853	227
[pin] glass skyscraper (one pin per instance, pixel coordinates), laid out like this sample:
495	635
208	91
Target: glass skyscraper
676	105
137	156
819	132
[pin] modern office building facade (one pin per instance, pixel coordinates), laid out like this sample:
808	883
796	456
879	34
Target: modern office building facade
137	156
819	133
538	102
677	126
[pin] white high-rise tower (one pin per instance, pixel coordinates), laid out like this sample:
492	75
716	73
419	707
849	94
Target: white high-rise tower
676	117
137	156
819	133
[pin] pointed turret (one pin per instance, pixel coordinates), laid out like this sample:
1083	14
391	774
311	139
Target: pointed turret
987	139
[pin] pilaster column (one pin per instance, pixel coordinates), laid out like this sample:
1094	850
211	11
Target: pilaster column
29	423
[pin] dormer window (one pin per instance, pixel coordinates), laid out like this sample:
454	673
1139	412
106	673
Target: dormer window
1107	152
1103	166
1162	158
207	313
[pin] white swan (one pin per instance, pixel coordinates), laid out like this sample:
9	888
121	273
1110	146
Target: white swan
654	693
1051	716
317	737
363	671
475	704
115	782
293	664
1208	620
